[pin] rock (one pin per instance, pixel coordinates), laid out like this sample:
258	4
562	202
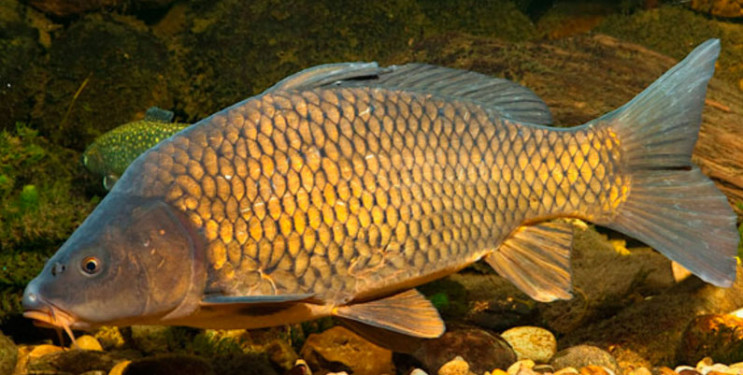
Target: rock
119	368
339	349
720	8
639	371
42	350
482	350
110	337
87	342
300	368
74	361
151	339
704	362
456	366
417	371
737	367
584	355
170	364
567	371
544	368
8	355
595	370
686	370
520	367
663	370
535	343
269	341
718	336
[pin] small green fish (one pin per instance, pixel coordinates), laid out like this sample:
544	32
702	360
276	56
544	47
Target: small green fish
343	187
111	153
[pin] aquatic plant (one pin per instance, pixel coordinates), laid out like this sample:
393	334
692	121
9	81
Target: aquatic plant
40	204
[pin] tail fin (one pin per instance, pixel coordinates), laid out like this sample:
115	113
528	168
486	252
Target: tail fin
671	205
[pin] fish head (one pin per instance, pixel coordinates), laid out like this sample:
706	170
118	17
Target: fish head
132	261
93	159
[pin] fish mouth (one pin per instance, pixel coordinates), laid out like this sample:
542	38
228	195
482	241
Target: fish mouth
52	317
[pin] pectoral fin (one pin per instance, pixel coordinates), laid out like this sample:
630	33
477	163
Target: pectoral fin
109	181
536	259
218	300
408	313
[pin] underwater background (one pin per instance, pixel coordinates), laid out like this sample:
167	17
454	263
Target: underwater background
70	71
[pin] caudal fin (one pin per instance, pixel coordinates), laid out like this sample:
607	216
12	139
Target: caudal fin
671	205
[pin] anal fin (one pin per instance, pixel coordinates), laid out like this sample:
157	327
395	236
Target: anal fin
536	259
397	342
408	313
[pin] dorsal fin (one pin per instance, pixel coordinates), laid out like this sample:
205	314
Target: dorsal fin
158	114
323	75
536	258
506	97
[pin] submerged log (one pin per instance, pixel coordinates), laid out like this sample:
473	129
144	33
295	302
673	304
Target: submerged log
584	77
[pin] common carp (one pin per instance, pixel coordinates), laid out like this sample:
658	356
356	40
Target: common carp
111	153
343	187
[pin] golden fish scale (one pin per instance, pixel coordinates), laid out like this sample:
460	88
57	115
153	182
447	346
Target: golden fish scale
345	191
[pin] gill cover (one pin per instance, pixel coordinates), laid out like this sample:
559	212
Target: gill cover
133	260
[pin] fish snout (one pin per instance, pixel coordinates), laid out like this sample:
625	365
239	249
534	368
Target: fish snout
32	300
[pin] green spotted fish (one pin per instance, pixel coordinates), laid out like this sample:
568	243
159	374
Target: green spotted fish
343	187
111	153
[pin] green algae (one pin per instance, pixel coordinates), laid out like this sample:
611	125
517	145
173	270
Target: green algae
20	81
40	205
237	49
674	30
500	19
102	69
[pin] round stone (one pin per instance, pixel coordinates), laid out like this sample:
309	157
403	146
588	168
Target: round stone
535	343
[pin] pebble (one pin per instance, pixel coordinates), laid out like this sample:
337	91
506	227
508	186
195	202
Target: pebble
456	366
640	371
520	366
704	362
482	350
567	371
686	370
535	343
580	356
87	342
119	368
663	370
595	370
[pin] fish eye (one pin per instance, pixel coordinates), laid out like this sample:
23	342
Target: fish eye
91	265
